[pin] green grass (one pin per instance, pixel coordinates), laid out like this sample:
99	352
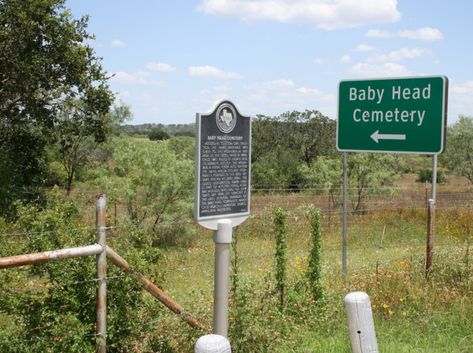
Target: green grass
385	254
385	259
448	331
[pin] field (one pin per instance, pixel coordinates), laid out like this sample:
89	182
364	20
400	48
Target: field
386	254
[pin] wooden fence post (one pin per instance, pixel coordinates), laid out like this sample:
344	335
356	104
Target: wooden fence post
430	235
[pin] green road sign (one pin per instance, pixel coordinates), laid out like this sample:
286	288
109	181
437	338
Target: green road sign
402	115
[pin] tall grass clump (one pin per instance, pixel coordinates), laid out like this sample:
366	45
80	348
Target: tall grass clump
314	271
281	229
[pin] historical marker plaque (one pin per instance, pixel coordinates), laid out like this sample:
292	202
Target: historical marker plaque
223	166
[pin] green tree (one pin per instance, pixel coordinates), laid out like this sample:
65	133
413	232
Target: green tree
45	60
75	142
458	155
306	134
150	179
158	135
281	144
367	173
182	146
324	173
276	169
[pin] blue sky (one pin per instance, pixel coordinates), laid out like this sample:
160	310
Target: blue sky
171	59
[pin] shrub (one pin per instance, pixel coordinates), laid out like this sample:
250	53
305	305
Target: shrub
281	229
425	175
315	266
158	135
55	301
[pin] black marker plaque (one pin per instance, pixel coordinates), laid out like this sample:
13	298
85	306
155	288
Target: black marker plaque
223	164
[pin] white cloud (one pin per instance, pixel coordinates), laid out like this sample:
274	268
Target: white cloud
379	70
125	77
279	84
209	96
162	67
212	71
364	48
144	75
284	94
117	43
460	99
462	88
427	34
319	61
377	33
309	91
222	88
345	59
323	14
401	54
277	96
134	79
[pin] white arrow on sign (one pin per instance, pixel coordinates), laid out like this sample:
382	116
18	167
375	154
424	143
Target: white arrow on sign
376	136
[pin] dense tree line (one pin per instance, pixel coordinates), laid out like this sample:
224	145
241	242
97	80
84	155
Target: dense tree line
283	144
170	129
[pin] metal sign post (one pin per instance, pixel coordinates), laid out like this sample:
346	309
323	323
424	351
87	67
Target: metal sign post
222	195
431	219
222	239
345	218
397	115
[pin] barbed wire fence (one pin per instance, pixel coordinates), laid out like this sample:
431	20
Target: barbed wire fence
380	209
35	290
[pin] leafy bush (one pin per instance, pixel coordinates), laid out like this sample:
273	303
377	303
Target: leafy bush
425	175
54	303
155	185
158	135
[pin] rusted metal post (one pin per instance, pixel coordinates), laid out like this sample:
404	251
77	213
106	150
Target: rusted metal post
434	177
430	235
101	324
329	210
154	290
47	256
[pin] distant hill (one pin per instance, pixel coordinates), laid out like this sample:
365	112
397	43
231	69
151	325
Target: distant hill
171	129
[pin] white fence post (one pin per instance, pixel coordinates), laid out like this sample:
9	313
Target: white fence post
212	344
360	323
